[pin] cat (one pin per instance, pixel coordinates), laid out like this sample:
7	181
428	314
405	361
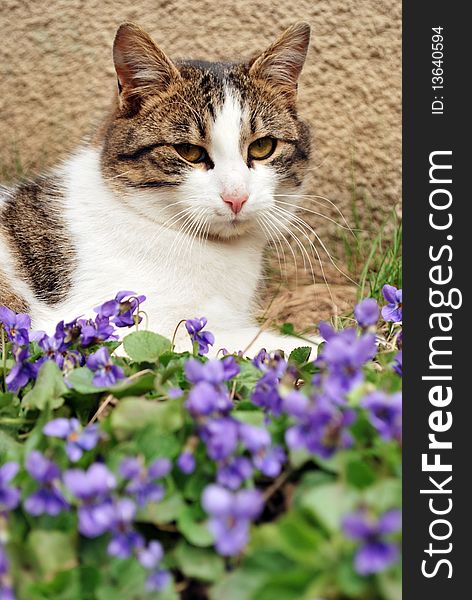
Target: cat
168	196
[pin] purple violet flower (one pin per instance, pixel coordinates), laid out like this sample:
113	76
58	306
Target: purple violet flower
367	313
235	472
106	373
254	438
54	348
69	332
17	326
142	484
204	339
385	413
341	360
212	371
157	581
95	332
270	361
393	311
150	556
270	461
230	516
78	438
6	590
9	496
48	499
265	393
125	540
121	311
220	436
295	404
375	554
397	365
92	488
22	371
323	429
205	399
186	462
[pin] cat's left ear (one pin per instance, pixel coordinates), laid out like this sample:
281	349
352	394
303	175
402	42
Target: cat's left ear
140	64
282	62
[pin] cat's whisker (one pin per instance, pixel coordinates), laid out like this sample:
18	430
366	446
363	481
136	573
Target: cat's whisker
270	239
190	232
311	230
183	239
312	245
299	244
318	166
170	222
312	197
117	176
278	235
314	212
282	236
201	240
197	229
188	218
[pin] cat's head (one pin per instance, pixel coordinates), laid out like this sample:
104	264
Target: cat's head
206	144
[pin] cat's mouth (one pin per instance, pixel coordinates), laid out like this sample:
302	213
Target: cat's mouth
228	226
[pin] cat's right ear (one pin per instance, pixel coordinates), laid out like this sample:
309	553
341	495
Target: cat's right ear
282	61
141	66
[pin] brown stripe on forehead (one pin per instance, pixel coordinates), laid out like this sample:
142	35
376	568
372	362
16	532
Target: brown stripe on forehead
9	298
34	229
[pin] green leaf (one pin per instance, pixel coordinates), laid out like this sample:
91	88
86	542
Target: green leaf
300	355
248	374
288	585
239	585
52	551
390	585
135	387
65	585
251	417
125	579
267	559
195	484
360	474
81	380
287	329
49	389
350	583
165	511
7	399
10	449
194	530
145	346
385	494
298	539
329	503
132	414
153	443
199	563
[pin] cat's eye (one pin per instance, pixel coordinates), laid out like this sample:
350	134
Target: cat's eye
262	148
192	153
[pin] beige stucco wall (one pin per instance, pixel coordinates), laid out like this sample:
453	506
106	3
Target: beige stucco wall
56	78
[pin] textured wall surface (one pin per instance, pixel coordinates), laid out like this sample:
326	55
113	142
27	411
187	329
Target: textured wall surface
57	76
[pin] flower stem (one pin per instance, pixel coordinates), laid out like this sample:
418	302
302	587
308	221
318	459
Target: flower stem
172	344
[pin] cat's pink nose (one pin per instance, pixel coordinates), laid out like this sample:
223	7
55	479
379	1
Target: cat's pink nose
236	201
